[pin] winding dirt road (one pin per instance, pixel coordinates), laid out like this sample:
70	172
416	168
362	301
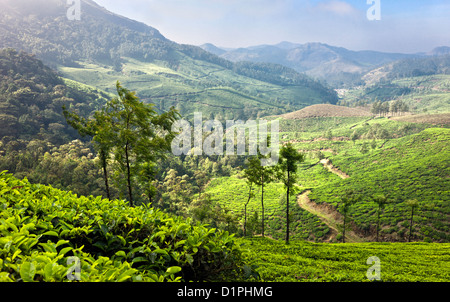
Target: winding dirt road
332	218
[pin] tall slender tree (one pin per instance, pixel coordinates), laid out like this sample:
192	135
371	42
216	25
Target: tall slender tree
286	172
259	175
99	128
250	196
140	134
381	201
412	204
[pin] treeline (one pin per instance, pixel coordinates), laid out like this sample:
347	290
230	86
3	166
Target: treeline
385	92
76	167
393	107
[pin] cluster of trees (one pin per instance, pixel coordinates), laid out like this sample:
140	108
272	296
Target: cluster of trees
177	188
385	91
350	198
70	167
129	134
257	174
393	107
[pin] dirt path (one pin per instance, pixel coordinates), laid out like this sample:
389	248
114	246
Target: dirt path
328	215
329	165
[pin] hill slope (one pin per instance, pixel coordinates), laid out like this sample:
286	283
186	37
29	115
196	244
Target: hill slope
323	262
103	48
336	65
411	167
32	96
422	83
326	110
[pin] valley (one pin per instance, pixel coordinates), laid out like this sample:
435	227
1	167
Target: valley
87	168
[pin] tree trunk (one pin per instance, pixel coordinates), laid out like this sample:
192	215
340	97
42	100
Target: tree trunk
343	231
245	210
245	221
130	193
411	224
287	213
262	208
105	173
378	223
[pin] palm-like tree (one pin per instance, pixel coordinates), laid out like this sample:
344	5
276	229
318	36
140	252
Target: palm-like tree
381	201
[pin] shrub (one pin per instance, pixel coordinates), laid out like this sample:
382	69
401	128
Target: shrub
41	226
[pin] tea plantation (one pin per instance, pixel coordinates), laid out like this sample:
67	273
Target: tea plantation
46	233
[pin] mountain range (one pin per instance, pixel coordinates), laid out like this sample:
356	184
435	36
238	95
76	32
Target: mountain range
104	47
336	65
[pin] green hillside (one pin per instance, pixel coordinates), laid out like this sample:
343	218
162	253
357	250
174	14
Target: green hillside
422	83
47	234
95	193
412	167
232	193
32	96
202	86
402	160
104	48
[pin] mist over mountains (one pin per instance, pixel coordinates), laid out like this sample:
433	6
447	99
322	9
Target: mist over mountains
104	47
336	65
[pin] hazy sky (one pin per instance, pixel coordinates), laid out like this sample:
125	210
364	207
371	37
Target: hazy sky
405	26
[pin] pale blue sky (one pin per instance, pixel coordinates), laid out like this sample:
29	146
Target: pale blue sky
405	26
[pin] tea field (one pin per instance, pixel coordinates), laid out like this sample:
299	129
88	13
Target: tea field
400	160
302	261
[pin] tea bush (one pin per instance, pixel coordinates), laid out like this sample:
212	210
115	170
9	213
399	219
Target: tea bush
42	228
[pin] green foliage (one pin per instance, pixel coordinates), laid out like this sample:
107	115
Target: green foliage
287	174
133	132
412	167
232	192
259	175
41	227
32	96
323	262
420	67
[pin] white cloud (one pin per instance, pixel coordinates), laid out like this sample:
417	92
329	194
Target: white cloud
405	26
340	8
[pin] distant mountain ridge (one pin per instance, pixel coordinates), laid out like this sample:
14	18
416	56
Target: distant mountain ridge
104	47
336	65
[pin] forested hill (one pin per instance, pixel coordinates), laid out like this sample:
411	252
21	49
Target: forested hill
104	47
408	68
421	66
41	27
31	100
